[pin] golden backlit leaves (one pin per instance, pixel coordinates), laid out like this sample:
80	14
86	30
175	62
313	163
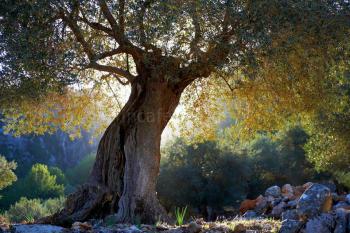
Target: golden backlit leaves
291	84
71	112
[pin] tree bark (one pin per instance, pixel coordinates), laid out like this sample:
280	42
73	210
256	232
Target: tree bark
123	179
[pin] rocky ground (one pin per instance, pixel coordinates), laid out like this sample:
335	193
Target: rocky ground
310	208
198	226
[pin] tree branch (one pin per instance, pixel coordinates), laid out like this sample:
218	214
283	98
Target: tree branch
112	69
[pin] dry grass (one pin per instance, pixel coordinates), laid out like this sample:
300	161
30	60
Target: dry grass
242	225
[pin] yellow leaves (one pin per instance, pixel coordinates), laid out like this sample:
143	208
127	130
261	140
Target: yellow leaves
71	112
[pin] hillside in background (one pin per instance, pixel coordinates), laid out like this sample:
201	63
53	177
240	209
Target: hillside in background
54	150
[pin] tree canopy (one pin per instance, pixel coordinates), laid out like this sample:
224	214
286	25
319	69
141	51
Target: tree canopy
270	57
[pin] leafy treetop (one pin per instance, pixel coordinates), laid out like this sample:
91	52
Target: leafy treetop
274	56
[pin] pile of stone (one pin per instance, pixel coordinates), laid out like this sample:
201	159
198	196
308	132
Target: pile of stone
310	208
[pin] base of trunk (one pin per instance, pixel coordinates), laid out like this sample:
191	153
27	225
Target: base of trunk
88	202
93	202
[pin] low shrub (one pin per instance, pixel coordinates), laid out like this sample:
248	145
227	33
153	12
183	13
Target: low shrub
29	210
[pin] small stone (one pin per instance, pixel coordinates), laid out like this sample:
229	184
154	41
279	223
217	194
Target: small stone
261	205
288	191
307	185
193	227
341	205
290	226
133	229
292	204
347	197
273	191
250	214
290	214
175	230
81	226
239	228
278	209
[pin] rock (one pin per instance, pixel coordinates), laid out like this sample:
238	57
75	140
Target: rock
292	204
338	198
81	226
278	209
250	214
273	191
247	205
37	228
341	217
347	198
341	205
239	228
288	191
261	205
320	224
307	185
330	185
175	230
289	214
290	226
298	191
193	227
315	200
133	229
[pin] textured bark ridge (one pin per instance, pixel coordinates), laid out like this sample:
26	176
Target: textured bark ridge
123	179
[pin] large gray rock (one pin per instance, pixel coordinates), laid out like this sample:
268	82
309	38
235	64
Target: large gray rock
290	214
324	223
37	228
273	191
315	200
290	226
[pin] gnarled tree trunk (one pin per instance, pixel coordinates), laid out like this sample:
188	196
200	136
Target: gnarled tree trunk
123	179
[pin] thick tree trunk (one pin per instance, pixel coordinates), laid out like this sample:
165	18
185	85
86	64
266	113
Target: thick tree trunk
123	179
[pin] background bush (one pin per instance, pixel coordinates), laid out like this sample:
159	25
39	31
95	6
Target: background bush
33	209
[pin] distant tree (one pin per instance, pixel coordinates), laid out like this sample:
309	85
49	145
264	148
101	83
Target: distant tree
40	183
7	175
202	176
281	161
60	176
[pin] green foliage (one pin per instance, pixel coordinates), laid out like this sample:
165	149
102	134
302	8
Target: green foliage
180	215
38	183
60	176
7	175
275	162
79	174
30	210
201	175
205	174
